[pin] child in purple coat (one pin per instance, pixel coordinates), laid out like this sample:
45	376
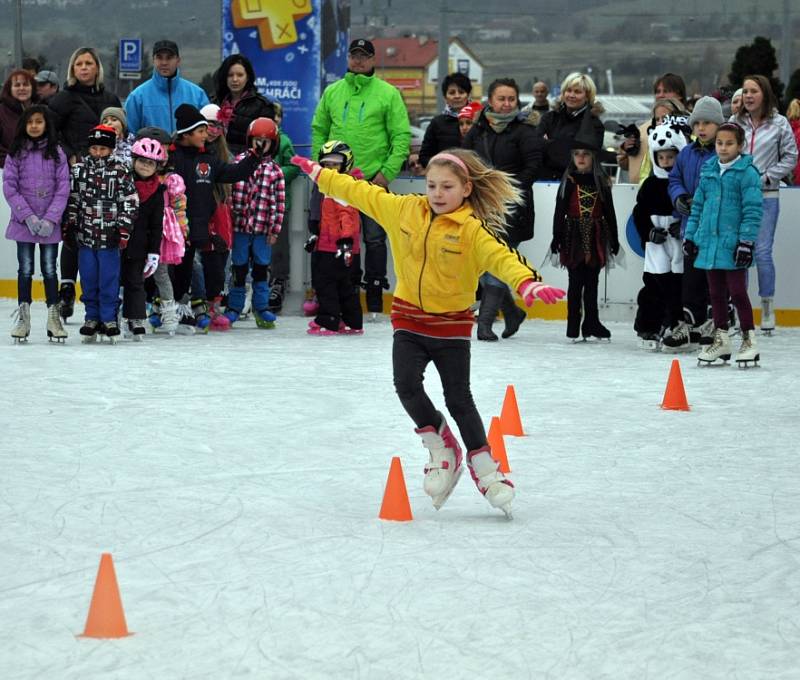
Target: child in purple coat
36	187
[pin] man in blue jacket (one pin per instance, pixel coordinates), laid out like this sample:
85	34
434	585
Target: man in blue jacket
153	103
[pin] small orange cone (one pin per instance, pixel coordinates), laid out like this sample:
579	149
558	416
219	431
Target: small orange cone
106	618
395	504
675	395
498	445
509	416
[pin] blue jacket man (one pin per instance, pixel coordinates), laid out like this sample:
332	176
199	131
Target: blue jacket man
153	103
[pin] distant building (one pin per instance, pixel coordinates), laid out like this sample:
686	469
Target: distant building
412	65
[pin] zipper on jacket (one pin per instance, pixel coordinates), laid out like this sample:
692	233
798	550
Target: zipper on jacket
169	98
344	112
361	112
424	260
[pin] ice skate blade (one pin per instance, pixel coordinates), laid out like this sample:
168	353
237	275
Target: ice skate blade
55	340
649	345
576	341
680	349
88	339
20	341
767	331
749	363
723	361
137	338
441	499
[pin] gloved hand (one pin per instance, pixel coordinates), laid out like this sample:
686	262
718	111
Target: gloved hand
311	243
32	222
658	235
683	204
46	228
124	235
690	248
344	249
308	166
530	290
356	173
151	265
743	256
674	229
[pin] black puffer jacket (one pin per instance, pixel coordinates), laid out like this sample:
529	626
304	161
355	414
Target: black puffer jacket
518	152
442	133
148	227
77	110
251	106
556	130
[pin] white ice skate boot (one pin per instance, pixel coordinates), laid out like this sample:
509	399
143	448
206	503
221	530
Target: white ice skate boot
444	467
678	339
720	348
767	316
748	354
169	317
22	327
55	331
492	483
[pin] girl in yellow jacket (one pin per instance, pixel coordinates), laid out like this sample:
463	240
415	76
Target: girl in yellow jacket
441	243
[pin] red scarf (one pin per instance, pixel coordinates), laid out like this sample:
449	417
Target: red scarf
146	187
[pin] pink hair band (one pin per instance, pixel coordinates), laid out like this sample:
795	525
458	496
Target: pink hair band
444	156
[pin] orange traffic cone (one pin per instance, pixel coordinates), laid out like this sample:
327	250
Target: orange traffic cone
498	445
106	618
509	416
675	395
395	504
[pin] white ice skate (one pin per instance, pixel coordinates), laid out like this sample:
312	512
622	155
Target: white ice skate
748	354
767	316
169	317
678	339
492	483
720	348
22	327
444	467
55	331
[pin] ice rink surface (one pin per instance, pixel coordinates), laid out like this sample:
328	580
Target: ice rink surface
236	478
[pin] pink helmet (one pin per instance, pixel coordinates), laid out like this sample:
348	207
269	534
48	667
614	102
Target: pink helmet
149	148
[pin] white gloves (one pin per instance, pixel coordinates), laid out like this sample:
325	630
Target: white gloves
151	265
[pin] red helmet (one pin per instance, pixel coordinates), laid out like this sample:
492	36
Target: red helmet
263	127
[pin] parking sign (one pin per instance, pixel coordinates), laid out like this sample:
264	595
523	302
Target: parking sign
130	54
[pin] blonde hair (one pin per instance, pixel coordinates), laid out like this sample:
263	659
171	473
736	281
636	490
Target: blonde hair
793	110
71	79
494	193
581	80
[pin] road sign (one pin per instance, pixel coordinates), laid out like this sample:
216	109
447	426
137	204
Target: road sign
130	55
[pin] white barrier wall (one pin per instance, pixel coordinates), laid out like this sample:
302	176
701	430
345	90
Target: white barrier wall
621	285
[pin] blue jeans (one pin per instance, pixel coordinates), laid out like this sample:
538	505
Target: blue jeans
99	270
763	252
48	255
247	247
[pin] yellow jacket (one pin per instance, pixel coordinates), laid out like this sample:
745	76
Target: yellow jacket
437	258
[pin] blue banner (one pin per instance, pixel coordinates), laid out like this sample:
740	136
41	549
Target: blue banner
282	39
335	39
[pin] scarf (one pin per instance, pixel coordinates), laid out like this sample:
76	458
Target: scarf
453	113
499	121
146	187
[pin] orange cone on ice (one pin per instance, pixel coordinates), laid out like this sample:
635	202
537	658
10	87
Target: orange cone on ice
498	444
106	618
509	416
395	504
675	394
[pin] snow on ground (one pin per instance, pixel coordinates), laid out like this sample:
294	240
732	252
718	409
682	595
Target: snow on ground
236	478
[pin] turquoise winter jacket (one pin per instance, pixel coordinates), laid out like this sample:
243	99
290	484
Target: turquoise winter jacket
155	100
726	209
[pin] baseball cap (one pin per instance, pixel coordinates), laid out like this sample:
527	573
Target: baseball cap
46	77
165	46
364	45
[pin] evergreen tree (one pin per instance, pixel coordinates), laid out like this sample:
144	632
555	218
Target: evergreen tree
793	88
757	58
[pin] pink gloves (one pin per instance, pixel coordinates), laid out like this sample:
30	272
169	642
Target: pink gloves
530	290
307	166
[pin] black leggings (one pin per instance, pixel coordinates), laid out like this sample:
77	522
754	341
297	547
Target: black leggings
411	354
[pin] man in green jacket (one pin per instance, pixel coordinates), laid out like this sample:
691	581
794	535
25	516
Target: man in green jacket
370	116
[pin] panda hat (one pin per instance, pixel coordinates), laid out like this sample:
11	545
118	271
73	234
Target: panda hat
671	134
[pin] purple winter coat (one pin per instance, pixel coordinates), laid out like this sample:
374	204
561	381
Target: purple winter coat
35	185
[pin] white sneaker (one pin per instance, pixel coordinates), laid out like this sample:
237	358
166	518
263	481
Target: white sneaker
444	467
492	483
720	348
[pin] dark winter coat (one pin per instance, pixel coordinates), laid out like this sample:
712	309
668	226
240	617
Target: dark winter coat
652	199
251	106
685	174
556	131
517	152
201	170
76	110
10	112
442	133
148	227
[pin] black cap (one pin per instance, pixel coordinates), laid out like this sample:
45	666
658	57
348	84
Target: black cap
102	135
165	46
153	132
364	45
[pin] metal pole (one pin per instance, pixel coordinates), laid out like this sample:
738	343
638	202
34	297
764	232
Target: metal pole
18	33
444	52
785	66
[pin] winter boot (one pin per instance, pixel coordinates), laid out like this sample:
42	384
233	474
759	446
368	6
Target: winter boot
169	317
491	299
264	318
276	293
678	339
748	354
137	329
201	316
492	483
720	348
444	467
767	316
22	327
66	295
374	288
512	315
55	331
89	330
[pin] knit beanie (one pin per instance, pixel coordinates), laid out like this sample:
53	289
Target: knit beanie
119	114
102	135
187	118
210	112
707	108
